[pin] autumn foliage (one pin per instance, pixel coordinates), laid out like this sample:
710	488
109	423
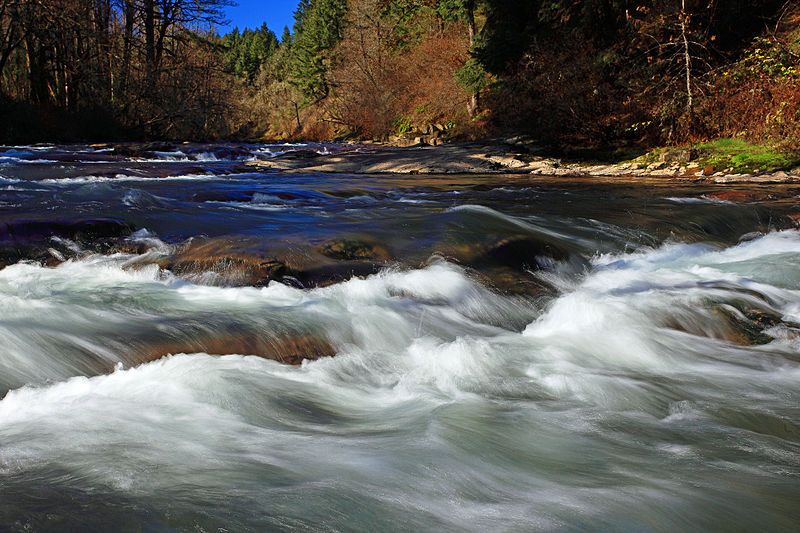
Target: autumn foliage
562	72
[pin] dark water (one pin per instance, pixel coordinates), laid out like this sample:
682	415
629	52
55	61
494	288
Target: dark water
529	354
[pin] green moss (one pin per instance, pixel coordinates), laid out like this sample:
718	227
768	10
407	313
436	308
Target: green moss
647	158
722	145
741	156
731	155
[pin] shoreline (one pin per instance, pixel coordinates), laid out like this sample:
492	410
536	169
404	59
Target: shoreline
497	158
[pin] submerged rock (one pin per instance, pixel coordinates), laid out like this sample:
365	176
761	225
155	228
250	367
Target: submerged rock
524	253
519	253
741	195
290	350
52	242
298	155
231	262
223	196
247	261
142	149
80	230
328	273
746	326
354	249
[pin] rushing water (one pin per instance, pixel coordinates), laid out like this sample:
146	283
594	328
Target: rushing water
647	378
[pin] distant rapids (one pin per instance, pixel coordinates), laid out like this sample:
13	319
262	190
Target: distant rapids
188	344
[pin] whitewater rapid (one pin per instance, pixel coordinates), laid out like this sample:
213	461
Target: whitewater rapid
629	400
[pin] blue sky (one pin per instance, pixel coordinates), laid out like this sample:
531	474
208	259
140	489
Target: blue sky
251	13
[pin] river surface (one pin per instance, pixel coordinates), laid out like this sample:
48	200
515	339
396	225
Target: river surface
632	363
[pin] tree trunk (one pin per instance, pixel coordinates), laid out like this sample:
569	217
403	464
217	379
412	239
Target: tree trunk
150	43
129	14
474	104
687	62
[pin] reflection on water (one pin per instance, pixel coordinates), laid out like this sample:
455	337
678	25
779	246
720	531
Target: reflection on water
528	354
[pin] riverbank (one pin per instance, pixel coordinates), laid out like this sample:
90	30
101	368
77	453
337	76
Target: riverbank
506	158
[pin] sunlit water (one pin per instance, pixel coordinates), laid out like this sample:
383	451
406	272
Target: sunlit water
622	395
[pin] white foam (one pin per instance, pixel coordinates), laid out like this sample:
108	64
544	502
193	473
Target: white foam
127	177
23	161
698	200
437	384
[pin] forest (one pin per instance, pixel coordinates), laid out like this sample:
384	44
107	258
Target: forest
592	72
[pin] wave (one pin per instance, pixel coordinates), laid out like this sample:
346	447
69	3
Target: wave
143	200
127	177
23	161
625	311
698	200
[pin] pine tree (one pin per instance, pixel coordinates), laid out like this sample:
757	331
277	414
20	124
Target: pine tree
318	28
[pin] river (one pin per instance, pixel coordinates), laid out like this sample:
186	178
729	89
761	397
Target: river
509	353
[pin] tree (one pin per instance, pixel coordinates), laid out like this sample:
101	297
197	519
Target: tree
318	28
246	52
472	75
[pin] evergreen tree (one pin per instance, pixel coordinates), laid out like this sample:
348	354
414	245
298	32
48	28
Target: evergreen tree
247	51
318	28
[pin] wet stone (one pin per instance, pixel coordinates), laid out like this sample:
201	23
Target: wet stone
290	350
354	249
142	149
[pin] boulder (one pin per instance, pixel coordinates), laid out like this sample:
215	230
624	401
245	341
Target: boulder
407	142
245	261
524	253
519	253
322	274
223	262
298	154
142	149
677	155
746	326
780	176
53	242
692	170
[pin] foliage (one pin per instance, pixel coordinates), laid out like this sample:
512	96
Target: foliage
247	51
133	63
507	34
318	28
564	71
402	125
766	58
471	76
